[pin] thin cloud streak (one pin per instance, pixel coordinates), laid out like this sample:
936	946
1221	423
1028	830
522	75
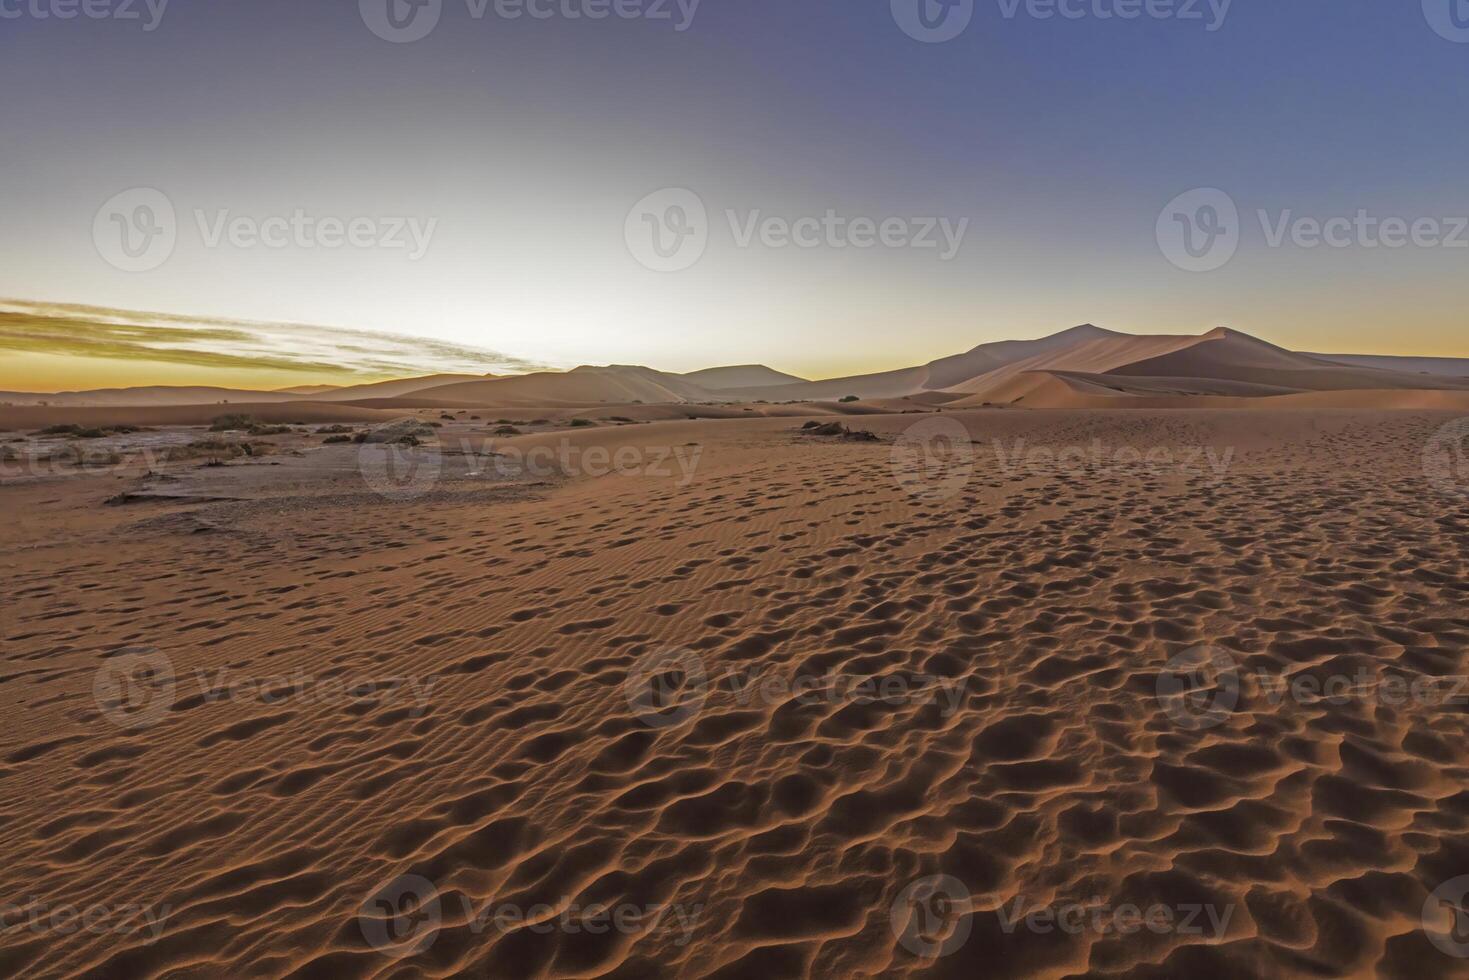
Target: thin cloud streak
324	355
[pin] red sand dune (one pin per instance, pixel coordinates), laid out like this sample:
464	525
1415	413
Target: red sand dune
1219	363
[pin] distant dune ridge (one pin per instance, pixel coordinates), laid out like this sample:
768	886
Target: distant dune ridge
741	376
1454	367
1085	366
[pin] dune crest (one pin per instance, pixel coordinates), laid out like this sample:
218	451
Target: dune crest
1081	366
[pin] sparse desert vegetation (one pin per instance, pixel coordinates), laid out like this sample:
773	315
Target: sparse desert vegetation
88	432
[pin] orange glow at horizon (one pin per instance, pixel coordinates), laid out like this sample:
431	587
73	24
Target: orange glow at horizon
45	373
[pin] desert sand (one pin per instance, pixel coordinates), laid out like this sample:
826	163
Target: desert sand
787	705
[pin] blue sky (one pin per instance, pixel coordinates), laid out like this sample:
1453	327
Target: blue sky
526	142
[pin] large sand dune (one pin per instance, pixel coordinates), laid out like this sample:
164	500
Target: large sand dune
1045	389
1021	372
1182	371
945	373
1096	356
1230	355
740	376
